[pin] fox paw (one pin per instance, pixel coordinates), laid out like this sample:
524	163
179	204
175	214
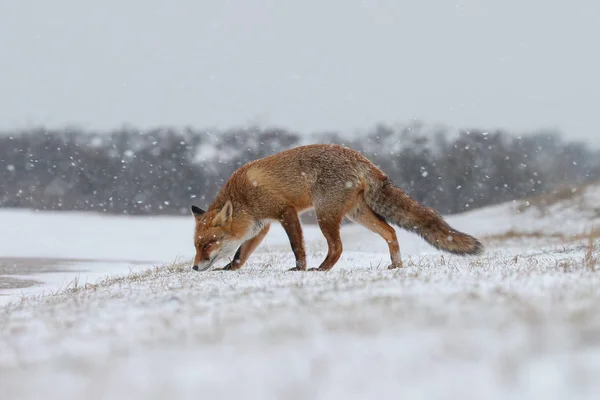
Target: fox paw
297	269
228	267
395	266
321	269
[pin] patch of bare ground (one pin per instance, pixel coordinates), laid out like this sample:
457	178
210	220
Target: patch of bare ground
32	265
7	282
512	234
14	269
564	196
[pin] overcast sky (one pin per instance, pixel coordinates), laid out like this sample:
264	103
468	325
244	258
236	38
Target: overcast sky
304	64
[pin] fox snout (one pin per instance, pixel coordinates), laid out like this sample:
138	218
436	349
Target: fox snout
196	268
227	250
202	264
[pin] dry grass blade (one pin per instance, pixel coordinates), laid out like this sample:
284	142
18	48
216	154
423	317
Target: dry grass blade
590	259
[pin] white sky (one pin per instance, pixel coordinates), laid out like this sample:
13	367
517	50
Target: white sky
303	64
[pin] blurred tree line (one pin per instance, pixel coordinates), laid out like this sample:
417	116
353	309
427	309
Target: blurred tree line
164	170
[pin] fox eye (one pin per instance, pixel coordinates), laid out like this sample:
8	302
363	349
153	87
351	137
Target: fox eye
206	245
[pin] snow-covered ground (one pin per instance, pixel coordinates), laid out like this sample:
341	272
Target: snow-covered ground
521	321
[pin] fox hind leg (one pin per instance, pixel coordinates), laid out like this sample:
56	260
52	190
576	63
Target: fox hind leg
330	227
330	212
363	215
330	220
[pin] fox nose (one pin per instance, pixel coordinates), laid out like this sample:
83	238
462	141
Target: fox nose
195	268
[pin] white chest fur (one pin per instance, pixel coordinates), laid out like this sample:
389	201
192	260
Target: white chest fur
255	229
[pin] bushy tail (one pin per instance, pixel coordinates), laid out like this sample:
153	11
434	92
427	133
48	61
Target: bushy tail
398	208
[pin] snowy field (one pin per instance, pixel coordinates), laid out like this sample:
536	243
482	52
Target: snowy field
126	317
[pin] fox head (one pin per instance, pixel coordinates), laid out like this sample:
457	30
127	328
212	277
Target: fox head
214	238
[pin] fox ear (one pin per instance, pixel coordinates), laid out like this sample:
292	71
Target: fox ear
197	211
224	216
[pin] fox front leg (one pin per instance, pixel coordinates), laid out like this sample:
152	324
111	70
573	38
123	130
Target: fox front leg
235	263
291	224
245	250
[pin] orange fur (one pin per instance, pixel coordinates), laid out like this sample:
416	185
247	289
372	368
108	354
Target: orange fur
337	182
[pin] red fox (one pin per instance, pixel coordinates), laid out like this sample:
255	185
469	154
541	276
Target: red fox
336	182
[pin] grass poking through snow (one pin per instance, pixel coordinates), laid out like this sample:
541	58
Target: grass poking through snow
520	321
